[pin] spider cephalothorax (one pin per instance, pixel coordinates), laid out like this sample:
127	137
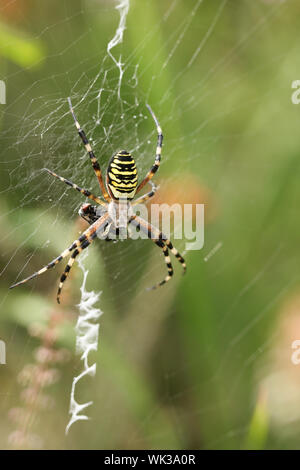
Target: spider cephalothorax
88	213
113	215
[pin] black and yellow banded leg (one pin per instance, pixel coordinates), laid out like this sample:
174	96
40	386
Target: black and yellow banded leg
176	253
85	192
75	253
147	196
50	265
156	164
161	241
155	234
167	259
87	235
88	148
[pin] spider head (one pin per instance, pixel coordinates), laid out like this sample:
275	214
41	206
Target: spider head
121	178
88	213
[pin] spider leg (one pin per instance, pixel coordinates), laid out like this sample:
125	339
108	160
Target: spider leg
147	196
177	255
162	242
155	167
88	235
75	253
168	262
85	192
88	147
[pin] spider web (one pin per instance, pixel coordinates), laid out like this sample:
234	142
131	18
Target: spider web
197	76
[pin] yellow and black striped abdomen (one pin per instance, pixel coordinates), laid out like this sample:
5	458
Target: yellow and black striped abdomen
122	176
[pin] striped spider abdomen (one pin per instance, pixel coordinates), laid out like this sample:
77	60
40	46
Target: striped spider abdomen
122	176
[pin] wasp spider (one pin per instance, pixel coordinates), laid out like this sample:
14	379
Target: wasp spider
121	187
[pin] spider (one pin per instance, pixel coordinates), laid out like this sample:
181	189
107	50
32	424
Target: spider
121	187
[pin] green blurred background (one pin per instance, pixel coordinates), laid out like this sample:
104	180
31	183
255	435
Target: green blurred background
205	362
